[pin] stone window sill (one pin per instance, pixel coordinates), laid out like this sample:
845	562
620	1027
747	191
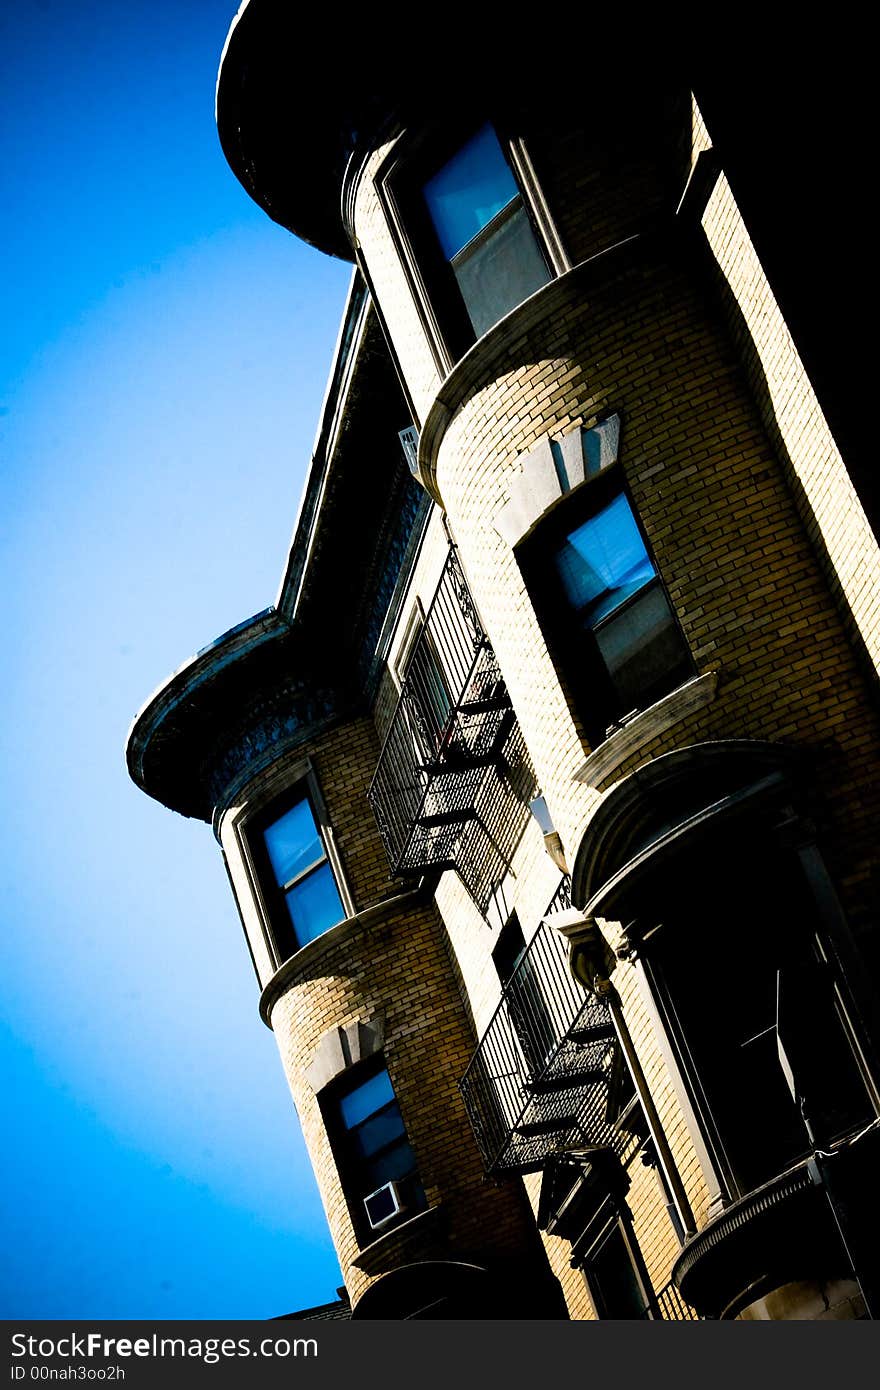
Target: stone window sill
644	727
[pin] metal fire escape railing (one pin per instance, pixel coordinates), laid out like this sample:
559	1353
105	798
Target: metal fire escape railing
545	1078
453	776
667	1305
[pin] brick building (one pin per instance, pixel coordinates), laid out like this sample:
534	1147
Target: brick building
547	787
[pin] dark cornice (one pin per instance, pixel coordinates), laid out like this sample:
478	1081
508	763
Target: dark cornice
284	676
286	134
239	704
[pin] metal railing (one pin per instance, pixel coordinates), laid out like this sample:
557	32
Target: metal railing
538	1083
449	725
669	1306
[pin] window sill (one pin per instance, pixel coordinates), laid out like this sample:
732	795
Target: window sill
640	731
420	1230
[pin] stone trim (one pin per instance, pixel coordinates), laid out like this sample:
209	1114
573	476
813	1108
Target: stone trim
646	726
288	973
788	1186
343	1047
551	470
394	1247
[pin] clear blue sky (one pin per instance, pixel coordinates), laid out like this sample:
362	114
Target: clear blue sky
164	353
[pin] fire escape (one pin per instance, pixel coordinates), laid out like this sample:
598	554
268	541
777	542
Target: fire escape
453	781
548	1076
548	1089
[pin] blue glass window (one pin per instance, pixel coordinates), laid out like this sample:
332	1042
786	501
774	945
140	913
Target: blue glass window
484	231
314	904
303	876
366	1099
469	191
604	562
293	842
372	1147
632	651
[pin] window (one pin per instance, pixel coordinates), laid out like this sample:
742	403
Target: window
296	874
605	608
615	1274
527	1009
372	1151
484	232
430	704
719	975
465	235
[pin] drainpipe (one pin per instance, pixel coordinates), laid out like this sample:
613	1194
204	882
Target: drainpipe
591	960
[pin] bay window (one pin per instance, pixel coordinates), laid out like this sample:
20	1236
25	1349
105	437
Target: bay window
483	230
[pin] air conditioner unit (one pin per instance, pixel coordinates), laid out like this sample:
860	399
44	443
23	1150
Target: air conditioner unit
383	1205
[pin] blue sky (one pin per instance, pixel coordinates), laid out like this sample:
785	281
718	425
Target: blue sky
164	353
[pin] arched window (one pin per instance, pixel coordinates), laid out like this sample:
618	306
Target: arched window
703	857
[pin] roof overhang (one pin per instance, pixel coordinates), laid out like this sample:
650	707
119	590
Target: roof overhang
289	116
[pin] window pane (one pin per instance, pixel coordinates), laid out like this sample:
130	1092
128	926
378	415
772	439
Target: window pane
314	904
376	1132
642	650
293	842
614	1280
426	682
366	1099
510	946
604	562
500	272
390	1166
468	191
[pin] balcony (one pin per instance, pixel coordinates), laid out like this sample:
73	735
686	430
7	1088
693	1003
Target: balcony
548	1075
453	781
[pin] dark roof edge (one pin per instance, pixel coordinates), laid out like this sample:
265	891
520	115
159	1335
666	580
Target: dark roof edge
351	331
239	642
258	33
231	646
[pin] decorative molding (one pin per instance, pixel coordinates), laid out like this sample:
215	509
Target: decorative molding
747	1209
755	1243
551	470
645	727
288	716
482	362
343	1047
729	777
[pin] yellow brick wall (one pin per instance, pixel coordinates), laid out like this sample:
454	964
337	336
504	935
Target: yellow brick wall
755	528
395	967
744	577
606	180
812	463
